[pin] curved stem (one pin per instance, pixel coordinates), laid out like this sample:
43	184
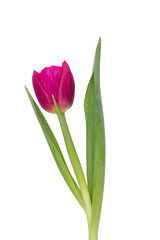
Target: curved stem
74	161
93	232
76	165
77	168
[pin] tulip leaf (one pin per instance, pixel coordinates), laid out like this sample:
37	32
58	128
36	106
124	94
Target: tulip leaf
95	142
56	152
89	104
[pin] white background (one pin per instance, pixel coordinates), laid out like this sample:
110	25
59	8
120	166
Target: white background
35	202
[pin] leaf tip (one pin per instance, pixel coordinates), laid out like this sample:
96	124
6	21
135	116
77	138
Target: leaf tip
54	100
99	44
27	90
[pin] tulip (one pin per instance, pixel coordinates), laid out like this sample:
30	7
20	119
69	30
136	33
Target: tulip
56	81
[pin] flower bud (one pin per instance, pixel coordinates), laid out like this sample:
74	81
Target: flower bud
56	81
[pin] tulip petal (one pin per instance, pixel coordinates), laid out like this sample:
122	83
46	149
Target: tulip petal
66	89
50	78
41	93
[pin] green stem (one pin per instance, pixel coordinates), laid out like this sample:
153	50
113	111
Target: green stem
93	232
76	165
74	161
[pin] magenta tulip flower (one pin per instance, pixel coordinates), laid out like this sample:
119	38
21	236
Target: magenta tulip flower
56	81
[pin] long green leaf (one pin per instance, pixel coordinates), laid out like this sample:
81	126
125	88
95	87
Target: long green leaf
89	107
95	141
56	152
